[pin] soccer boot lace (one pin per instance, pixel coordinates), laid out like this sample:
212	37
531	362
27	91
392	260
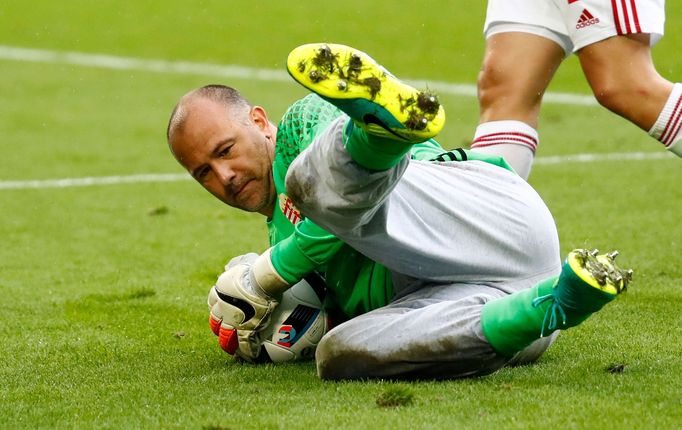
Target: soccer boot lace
376	100
587	282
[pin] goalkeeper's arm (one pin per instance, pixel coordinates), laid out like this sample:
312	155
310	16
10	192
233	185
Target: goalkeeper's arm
308	249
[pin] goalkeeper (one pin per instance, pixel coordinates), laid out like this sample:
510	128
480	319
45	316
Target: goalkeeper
443	264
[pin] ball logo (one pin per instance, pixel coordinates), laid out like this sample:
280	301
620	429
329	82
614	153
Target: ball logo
288	334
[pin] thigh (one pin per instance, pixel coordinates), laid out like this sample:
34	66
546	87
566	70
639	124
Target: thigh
433	332
467	221
618	61
621	69
460	222
517	68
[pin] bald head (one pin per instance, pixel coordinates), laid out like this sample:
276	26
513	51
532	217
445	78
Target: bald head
227	145
223	95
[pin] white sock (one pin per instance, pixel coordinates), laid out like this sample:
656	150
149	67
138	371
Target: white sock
516	141
676	147
668	126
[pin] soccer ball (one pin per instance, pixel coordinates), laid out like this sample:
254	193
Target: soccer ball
296	325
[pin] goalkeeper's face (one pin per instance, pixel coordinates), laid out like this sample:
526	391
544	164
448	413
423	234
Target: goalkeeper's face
229	153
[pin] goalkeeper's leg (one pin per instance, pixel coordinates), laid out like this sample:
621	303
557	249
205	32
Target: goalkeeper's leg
462	330
586	284
431	333
388	115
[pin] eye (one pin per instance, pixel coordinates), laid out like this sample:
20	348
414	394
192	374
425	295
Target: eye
224	151
201	174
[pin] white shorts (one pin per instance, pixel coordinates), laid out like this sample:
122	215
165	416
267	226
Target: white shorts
574	24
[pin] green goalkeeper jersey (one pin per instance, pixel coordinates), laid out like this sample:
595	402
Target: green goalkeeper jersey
355	283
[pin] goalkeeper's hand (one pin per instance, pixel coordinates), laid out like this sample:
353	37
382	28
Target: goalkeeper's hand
241	302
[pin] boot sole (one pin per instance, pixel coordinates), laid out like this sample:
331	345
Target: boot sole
599	271
376	100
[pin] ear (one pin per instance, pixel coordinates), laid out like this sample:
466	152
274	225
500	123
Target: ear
260	118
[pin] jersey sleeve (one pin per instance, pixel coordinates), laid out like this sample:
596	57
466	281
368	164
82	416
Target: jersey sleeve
297	253
307	249
427	150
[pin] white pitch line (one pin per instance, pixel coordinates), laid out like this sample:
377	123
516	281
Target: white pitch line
94	180
112	62
613	156
174	177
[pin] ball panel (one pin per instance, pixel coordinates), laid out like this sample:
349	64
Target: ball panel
296	325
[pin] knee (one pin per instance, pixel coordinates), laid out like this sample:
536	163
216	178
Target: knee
619	95
491	85
503	94
609	94
335	360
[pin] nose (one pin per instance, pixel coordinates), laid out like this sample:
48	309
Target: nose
224	173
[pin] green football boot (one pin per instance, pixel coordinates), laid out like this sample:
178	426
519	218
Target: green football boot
377	101
587	282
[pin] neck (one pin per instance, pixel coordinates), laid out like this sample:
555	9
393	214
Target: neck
268	210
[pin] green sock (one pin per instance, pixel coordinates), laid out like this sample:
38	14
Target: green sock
372	152
513	322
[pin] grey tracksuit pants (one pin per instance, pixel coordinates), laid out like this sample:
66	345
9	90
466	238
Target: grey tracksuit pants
455	235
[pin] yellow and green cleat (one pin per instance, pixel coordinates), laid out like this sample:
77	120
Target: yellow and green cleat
587	282
599	271
377	101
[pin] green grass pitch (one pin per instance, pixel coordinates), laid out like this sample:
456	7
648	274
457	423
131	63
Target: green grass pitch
103	322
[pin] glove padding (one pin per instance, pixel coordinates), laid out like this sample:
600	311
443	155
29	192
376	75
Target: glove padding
241	302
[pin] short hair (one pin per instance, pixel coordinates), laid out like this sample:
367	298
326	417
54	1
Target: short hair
222	94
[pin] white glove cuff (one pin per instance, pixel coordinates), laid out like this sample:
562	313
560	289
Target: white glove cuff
266	276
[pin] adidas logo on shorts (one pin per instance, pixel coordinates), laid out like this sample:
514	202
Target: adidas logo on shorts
586	19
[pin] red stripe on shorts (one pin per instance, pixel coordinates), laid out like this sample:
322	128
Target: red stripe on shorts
616	19
626	16
634	16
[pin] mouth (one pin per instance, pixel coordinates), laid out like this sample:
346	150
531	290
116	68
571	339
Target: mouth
242	188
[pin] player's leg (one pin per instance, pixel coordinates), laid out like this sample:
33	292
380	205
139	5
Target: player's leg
526	41
613	42
482	221
587	282
517	67
460	330
431	333
622	75
388	115
455	221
